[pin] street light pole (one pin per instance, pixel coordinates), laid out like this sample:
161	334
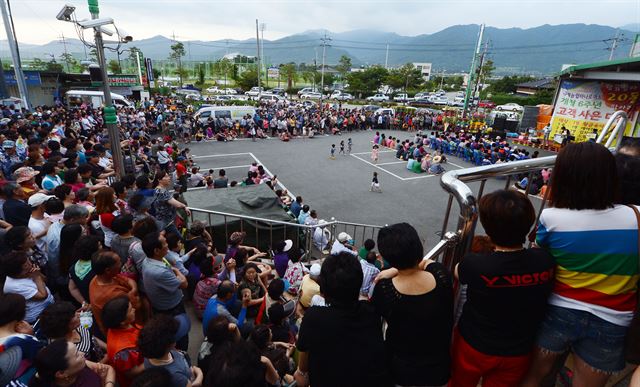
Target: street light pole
109	112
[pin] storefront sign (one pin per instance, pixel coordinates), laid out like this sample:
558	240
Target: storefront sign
585	106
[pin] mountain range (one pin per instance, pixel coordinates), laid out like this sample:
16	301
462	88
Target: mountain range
539	50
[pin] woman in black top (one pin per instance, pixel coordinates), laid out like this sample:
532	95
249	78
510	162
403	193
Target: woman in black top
417	305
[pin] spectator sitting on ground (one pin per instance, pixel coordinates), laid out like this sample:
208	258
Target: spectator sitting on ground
156	343
279	353
343	243
347	327
296	206
218	306
26	279
281	256
16	338
60	363
310	286
222	180
321	237
81	273
304	214
208	283
295	271
122	339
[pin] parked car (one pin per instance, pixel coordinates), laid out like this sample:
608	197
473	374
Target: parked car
385	111
343	97
486	104
378	98
214	90
438	100
255	91
370	108
230	91
192	97
402	97
311	95
308	104
511	107
307	90
424	101
271	97
457	101
278	91
421	95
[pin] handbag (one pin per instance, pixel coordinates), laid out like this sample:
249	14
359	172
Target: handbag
632	340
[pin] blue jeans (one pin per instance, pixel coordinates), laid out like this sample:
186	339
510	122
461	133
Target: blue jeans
596	341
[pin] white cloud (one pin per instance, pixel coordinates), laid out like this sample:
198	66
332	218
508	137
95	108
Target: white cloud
212	20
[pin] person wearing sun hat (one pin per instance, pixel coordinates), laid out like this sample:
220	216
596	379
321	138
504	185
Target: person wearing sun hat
235	241
9	157
281	256
25	177
343	243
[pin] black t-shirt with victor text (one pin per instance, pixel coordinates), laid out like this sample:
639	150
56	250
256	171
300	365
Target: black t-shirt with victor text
506	299
345	346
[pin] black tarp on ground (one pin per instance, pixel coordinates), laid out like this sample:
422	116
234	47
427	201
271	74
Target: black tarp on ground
256	200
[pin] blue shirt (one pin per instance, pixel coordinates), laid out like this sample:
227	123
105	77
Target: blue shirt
215	308
295	208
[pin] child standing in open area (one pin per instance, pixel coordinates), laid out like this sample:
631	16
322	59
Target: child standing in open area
349	145
342	147
333	152
374	153
375	185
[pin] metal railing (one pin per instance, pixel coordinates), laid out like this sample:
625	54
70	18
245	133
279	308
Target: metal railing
263	233
455	244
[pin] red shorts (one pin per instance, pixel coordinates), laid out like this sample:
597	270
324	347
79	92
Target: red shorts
469	366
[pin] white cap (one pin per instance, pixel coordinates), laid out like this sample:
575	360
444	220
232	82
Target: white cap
315	269
287	245
343	237
38	198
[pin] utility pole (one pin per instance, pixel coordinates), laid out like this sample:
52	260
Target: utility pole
386	58
109	112
324	39
66	54
15	56
472	71
258	46
614	45
263	26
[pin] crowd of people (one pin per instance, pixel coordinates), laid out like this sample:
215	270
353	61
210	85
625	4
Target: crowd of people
99	271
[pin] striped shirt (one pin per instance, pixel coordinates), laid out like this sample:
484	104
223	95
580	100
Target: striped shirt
596	253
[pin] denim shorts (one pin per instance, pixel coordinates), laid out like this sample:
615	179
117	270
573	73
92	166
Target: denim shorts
596	341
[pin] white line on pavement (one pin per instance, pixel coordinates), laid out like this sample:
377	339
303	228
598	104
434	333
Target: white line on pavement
291	194
220	155
375	166
231	167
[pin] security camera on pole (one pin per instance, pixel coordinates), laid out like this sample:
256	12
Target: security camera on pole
109	112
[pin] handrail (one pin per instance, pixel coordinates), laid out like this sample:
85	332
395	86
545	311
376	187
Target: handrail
454	181
258	219
621	125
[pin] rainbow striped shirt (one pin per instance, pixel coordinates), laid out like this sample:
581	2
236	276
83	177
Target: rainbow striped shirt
596	253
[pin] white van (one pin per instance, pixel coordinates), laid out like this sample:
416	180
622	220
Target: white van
96	98
233	112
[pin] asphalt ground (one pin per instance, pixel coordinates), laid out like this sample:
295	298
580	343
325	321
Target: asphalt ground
340	188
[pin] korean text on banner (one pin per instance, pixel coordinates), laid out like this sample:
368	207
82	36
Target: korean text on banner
585	106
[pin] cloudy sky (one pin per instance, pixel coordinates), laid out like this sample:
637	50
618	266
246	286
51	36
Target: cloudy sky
218	19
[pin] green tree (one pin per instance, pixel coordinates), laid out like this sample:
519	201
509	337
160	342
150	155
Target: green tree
405	77
248	79
486	71
177	52
507	84
226	68
288	71
156	74
37	64
367	81
70	62
343	66
309	76
114	67
54	66
201	74
93	55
